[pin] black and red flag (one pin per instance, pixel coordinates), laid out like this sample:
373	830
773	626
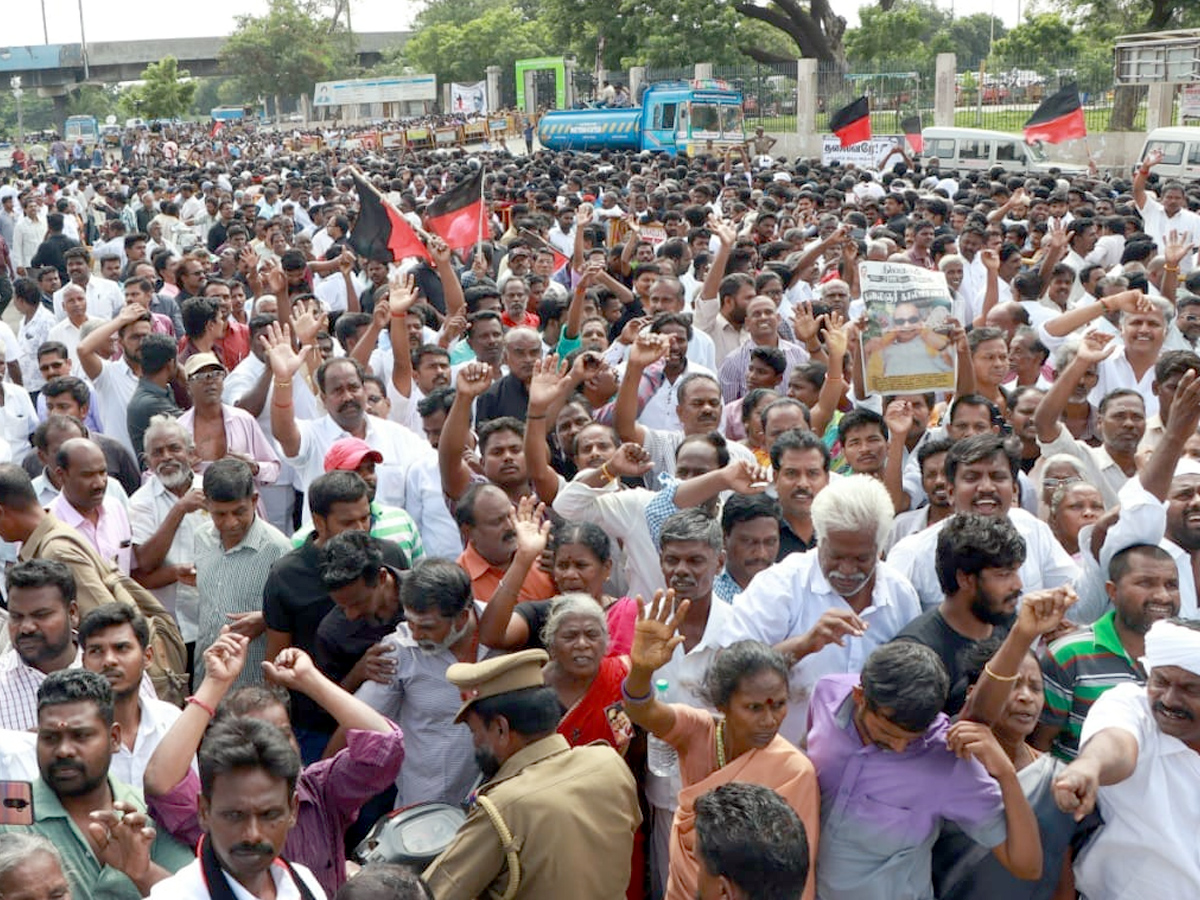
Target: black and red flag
912	131
852	124
381	228
1059	118
458	215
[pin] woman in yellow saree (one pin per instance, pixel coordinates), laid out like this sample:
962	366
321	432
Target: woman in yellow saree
747	685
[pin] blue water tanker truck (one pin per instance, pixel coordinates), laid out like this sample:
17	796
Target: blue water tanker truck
676	117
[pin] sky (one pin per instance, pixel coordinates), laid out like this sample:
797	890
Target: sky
107	21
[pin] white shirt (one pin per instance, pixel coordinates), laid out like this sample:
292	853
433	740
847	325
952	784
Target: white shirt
18	419
1116	372
427	505
399	447
18	755
68	335
188	884
1146	847
113	389
787	599
1046	565
128	766
148	509
104	299
27	237
1156	224
660	411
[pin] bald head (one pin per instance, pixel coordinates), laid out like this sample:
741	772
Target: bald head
83	473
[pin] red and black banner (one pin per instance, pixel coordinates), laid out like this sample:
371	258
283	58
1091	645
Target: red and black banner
458	215
852	124
1058	119
380	227
912	131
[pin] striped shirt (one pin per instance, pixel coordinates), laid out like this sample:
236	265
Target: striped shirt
232	581
1077	669
388	523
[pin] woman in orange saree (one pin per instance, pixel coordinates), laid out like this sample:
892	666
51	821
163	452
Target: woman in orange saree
747	685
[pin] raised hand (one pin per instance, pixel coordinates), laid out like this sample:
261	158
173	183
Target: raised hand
583	215
473	379
1056	234
1095	347
991	259
123	837
647	349
631	329
974	740
1042	612
656	636
804	323
899	418
532	527
402	292
292	669
1153	158
440	251
225	658
745	477
546	384
1185	418
630	461
285	362
724	231
1131	301
835	336
1178	245
381	315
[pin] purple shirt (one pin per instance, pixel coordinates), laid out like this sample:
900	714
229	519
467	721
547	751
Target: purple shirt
882	811
111	535
331	792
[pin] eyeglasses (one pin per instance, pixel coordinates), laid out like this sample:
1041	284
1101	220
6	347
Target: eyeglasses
914	320
1055	483
207	375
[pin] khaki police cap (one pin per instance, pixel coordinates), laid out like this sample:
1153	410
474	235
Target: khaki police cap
514	672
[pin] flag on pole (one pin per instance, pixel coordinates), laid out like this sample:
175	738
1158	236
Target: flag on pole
1059	118
912	131
852	123
381	228
216	128
457	216
560	258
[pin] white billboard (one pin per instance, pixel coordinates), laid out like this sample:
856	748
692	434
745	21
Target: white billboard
392	89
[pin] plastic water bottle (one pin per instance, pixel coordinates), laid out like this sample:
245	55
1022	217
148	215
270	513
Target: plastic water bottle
661	758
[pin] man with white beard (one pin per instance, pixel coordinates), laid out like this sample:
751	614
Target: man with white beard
164	514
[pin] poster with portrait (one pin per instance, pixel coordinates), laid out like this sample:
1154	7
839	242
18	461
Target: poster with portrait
906	346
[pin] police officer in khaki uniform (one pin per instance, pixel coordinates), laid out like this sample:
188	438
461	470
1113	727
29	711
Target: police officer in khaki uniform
551	822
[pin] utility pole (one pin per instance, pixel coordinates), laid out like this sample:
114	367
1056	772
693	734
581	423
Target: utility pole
83	44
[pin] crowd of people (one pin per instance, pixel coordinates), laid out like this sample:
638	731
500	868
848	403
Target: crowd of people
590	538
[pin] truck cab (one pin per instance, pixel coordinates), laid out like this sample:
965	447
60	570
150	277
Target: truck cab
691	117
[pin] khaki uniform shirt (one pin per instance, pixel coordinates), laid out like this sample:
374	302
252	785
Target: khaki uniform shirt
572	813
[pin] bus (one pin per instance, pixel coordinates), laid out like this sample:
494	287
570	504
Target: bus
85	127
232	113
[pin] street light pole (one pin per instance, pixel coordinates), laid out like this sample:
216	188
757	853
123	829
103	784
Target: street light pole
45	26
83	43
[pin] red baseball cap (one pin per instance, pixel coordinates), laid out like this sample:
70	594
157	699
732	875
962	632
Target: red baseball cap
349	453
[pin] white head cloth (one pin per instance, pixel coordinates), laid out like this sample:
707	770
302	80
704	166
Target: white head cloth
1168	644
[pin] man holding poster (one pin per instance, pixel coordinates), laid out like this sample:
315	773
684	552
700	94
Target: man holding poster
906	344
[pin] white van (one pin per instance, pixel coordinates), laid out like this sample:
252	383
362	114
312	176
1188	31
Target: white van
1180	149
978	148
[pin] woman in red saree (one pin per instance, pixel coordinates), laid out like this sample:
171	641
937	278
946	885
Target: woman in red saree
588	684
747	683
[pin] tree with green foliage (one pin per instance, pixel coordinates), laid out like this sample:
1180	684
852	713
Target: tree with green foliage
499	35
164	92
287	51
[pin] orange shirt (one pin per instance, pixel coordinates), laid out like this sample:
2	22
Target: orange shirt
485	578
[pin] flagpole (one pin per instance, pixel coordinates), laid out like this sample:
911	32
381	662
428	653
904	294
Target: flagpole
483	210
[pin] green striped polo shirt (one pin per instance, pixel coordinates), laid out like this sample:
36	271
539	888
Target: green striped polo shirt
388	523
1077	669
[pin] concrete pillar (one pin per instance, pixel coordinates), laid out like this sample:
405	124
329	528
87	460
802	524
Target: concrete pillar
568	92
447	98
943	90
493	88
1160	106
531	97
703	70
806	106
637	75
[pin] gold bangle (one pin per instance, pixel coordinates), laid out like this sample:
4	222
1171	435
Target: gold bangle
1172	269
283	384
1003	679
608	476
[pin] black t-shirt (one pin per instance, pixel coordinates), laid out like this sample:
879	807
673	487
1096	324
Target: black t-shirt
931	629
536	614
295	601
507	397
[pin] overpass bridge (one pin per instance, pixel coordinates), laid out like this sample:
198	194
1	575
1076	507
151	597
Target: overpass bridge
55	69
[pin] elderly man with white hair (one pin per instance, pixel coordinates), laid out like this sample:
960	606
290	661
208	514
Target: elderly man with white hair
827	609
1140	759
